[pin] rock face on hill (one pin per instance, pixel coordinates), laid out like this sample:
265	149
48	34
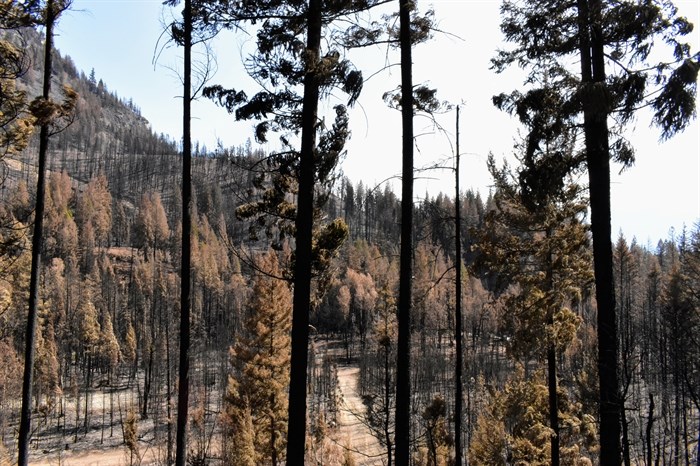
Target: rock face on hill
105	123
107	136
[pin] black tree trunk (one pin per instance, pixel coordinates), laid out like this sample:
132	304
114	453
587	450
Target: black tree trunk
552	365
29	350
403	359
598	162
296	433
458	307
184	361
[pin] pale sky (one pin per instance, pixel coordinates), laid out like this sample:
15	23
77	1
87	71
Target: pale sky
118	38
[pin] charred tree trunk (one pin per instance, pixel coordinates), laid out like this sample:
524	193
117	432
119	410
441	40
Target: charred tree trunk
552	368
148	379
185	299
296	433
598	162
403	351
387	405
626	460
649	429
458	308
29	350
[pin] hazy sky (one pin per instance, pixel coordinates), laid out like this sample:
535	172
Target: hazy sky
119	39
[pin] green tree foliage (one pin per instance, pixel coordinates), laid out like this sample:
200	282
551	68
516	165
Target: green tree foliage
16	120
544	256
438	440
596	34
638	77
279	66
256	396
536	243
294	67
514	427
16	123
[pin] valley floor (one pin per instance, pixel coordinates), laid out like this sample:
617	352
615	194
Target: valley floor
103	446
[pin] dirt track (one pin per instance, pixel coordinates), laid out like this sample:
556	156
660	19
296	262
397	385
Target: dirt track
366	449
352	433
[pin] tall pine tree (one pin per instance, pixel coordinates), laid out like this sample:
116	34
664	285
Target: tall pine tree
47	114
295	68
256	396
591	32
536	241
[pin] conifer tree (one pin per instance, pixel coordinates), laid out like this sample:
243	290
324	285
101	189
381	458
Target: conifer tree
295	71
151	226
60	231
94	207
681	323
109	350
16	124
131	437
513	427
534	240
130	347
597	34
403	346
256	396
46	363
86	329
46	113
437	436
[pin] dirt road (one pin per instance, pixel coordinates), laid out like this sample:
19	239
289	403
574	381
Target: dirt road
352	432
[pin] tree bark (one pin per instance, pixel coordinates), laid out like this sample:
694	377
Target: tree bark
458	307
296	433
649	429
185	299
403	359
552	365
387	406
553	404
29	349
598	162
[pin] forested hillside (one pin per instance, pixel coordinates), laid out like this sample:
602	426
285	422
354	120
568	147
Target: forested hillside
108	335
